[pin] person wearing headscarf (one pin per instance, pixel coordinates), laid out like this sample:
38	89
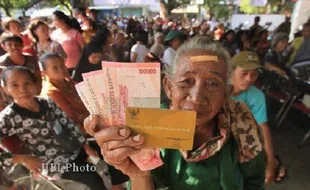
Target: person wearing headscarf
275	60
90	61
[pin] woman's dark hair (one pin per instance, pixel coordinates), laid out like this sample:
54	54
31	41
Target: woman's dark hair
84	66
142	36
34	25
101	36
238	37
22	69
43	59
73	23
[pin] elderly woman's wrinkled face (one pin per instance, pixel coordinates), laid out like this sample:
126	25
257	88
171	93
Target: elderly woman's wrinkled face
198	86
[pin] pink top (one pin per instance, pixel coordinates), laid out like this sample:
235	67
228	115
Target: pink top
72	43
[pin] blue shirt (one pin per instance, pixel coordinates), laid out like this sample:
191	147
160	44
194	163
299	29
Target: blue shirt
255	100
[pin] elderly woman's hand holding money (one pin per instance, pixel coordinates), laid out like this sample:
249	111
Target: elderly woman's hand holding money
117	144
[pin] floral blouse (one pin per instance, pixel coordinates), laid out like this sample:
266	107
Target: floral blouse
37	134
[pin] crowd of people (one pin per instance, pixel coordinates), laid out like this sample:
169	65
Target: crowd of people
233	145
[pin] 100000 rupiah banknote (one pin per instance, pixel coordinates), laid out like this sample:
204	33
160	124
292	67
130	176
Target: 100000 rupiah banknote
108	92
134	85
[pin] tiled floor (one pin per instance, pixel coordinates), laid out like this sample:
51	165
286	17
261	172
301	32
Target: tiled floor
296	160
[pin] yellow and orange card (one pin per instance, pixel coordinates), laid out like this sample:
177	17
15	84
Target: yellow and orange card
172	129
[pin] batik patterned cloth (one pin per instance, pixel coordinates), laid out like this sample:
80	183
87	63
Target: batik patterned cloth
236	119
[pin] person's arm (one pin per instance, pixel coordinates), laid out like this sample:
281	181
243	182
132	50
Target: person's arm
258	107
38	77
7	159
62	103
166	57
80	40
275	68
75	131
268	146
133	57
60	51
145	183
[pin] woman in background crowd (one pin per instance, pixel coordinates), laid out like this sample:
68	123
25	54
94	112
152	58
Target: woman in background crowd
228	40
104	38
90	61
263	45
158	47
43	43
69	36
139	51
276	60
89	28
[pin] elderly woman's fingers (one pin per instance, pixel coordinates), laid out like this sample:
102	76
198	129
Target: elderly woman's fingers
118	156
92	124
112	134
134	141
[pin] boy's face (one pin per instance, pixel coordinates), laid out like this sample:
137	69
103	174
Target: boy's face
56	69
20	86
243	79
13	47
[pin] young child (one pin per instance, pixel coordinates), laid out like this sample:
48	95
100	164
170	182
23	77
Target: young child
58	86
39	123
15	28
13	45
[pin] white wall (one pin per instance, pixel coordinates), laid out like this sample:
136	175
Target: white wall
248	20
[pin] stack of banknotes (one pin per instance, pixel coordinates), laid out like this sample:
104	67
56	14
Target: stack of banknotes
109	91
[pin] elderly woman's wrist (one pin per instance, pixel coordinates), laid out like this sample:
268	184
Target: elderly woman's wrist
142	182
146	175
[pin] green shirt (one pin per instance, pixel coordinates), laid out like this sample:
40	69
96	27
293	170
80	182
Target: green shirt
222	171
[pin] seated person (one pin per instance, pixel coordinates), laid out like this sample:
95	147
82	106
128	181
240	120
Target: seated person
50	138
58	86
245	74
197	80
275	60
301	46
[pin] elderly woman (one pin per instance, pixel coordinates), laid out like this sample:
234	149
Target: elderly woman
227	142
